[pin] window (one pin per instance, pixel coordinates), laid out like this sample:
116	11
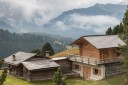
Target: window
76	67
96	71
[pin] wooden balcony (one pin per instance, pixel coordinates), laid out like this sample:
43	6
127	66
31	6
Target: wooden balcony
93	61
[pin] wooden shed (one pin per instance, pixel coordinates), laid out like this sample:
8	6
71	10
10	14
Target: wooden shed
30	66
39	69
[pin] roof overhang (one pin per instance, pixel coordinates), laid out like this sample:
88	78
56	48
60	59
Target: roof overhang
101	41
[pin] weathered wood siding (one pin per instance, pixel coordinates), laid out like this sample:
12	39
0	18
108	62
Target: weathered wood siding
88	50
26	73
16	70
65	65
113	69
108	53
44	74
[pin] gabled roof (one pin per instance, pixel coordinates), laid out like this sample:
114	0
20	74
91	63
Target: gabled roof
20	57
40	64
103	41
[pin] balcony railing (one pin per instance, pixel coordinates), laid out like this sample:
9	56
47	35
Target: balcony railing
93	61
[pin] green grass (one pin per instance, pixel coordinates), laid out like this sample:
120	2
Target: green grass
116	80
65	52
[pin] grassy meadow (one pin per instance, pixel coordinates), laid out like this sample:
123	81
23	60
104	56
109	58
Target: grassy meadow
116	80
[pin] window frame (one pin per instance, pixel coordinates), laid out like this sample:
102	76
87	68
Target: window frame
76	67
97	71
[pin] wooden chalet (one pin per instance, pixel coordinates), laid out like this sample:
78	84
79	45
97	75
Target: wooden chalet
99	56
30	66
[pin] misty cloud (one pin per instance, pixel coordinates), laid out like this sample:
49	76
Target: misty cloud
98	23
41	11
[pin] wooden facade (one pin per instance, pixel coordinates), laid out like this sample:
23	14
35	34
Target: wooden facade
87	50
42	74
35	67
65	65
99	56
16	70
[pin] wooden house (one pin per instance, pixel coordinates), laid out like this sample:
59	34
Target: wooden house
99	56
30	66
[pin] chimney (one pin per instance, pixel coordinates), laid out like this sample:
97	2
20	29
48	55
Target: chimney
47	54
13	57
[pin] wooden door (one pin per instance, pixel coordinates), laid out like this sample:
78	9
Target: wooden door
87	72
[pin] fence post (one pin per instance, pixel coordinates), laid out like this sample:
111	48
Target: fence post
96	62
88	61
75	58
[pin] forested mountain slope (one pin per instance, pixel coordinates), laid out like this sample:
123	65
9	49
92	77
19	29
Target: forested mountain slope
12	42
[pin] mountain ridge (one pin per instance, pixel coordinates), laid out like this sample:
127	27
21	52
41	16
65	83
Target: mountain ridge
115	11
64	24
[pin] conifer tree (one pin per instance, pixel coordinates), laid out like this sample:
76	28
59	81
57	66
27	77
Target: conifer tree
124	49
3	75
109	31
115	30
58	78
47	48
37	51
120	29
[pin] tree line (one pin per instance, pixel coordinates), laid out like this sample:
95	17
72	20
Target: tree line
12	42
116	30
47	48
122	31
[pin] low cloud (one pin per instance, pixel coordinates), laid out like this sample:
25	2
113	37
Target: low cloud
41	11
97	24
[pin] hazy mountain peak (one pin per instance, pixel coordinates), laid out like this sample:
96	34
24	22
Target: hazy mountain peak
125	2
79	21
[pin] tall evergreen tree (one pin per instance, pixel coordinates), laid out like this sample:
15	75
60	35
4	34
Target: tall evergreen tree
120	29
124	37
109	31
47	48
4	74
58	78
115	30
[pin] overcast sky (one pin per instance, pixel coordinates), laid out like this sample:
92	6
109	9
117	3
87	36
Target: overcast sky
51	8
